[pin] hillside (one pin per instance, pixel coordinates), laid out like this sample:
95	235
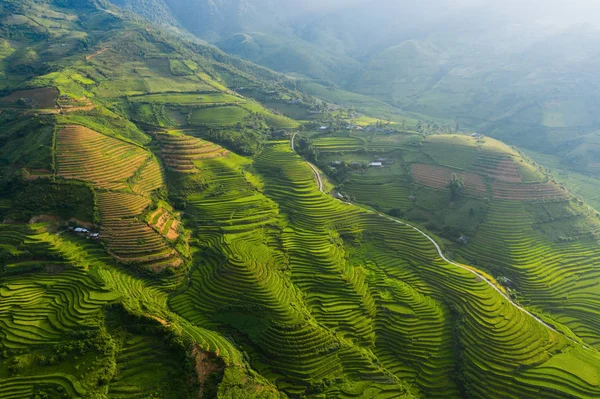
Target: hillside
507	212
163	234
519	73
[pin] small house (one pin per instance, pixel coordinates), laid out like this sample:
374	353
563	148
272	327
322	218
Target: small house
323	128
463	240
376	164
476	136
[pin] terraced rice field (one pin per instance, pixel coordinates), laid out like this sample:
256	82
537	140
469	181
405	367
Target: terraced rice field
188	98
338	144
528	191
57	288
145	369
179	152
438	177
148	178
489	326
497	166
106	162
219	116
165	223
128	239
561	279
452	155
319	295
131	174
380	191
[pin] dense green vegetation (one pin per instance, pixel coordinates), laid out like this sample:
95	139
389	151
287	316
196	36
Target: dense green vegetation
494	68
159	237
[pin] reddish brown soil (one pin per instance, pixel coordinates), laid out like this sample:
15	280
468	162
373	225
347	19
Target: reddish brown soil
104	50
438	177
507	171
527	192
207	363
42	98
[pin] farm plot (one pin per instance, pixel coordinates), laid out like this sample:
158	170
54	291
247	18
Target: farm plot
50	308
497	166
527	191
499	340
179	152
33	98
338	144
148	178
188	98
108	163
451	155
438	177
165	223
218	116
559	278
385	192
128	239
239	228
338	293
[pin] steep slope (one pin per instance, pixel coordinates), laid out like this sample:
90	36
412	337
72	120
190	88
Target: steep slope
522	74
515	221
224	275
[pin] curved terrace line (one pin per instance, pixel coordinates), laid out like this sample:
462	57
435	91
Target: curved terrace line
443	257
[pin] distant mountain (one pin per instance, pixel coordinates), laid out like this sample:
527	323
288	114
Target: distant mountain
525	75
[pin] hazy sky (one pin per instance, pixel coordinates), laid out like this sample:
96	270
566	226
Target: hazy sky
567	11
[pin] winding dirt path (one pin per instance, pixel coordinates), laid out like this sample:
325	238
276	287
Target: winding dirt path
441	255
97	53
315	170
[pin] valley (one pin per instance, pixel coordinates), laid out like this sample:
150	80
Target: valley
177	222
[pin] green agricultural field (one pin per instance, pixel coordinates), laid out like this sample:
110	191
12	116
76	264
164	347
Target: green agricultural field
338	144
218	116
188	98
160	242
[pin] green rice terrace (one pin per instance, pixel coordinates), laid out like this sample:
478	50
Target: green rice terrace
163	235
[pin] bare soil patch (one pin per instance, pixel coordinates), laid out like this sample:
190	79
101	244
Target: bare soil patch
35	98
438	177
97	53
527	192
507	170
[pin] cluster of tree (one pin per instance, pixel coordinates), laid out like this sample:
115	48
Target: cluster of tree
243	140
65	199
305	147
455	185
434	128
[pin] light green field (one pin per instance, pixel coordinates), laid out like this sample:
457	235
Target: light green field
188	98
218	116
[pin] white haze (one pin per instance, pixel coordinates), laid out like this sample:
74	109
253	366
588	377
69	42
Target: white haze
563	12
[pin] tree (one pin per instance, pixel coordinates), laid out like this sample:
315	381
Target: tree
455	185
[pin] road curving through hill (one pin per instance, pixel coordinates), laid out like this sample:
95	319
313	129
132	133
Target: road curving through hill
443	257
